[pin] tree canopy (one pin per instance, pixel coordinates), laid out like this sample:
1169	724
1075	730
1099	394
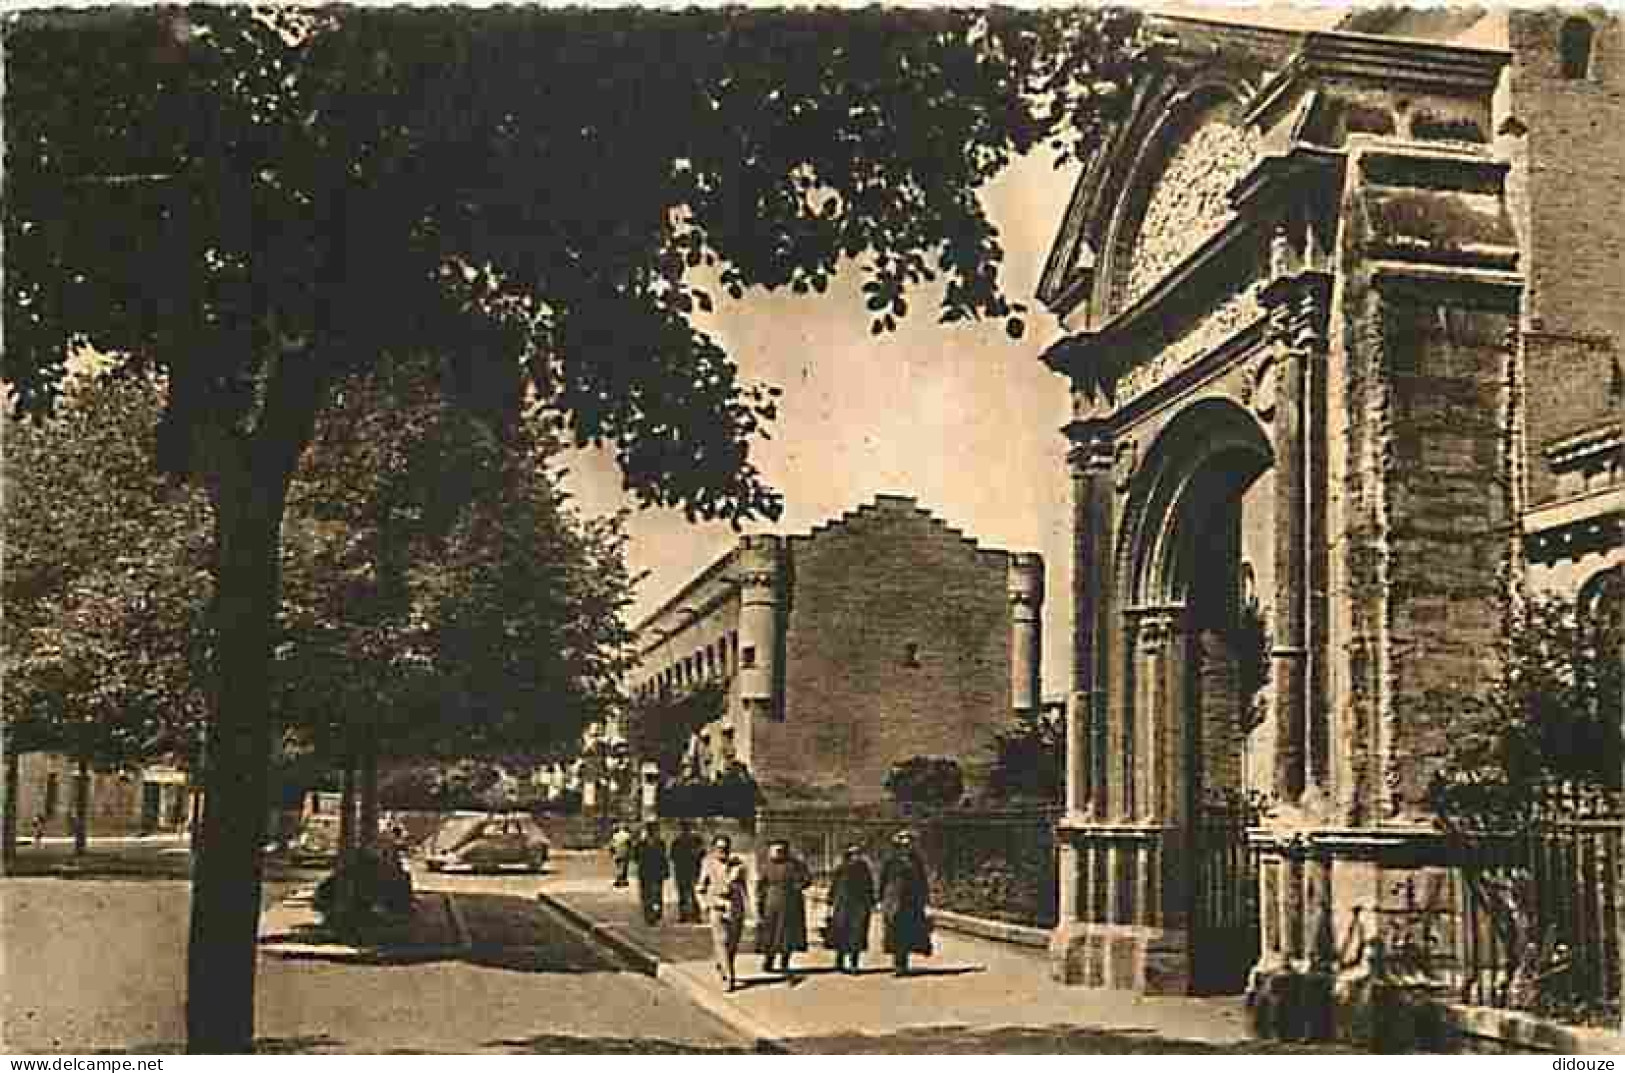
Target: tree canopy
106	585
224	189
450	602
257	203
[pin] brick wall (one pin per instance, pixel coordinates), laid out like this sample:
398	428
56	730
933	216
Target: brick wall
861	592
1569	169
1449	513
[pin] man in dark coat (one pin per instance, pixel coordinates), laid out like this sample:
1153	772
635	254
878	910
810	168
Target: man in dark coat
781	907
904	893
851	901
686	853
653	867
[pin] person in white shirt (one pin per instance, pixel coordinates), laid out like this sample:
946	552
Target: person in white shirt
723	893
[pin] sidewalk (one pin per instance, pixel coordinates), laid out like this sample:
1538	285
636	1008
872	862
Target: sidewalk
974	996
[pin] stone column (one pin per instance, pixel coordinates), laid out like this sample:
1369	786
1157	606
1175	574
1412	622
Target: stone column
1157	715
1091	463
1026	586
1296	304
757	574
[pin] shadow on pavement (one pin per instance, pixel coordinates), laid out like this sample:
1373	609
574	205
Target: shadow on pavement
504	931
1051	1039
562	1044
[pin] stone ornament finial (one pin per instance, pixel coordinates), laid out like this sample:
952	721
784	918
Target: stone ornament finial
1125	460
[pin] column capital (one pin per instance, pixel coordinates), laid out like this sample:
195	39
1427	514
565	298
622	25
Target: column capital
1299	305
1151	628
1092	452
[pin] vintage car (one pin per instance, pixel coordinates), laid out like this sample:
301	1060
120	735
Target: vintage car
317	838
487	843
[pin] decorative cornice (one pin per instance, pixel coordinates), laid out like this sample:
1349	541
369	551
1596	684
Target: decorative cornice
1575	452
1203	281
1476	287
1383	61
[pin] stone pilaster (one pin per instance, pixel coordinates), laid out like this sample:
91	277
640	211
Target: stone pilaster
1091	460
1297	305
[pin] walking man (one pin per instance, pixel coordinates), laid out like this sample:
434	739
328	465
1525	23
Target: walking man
620	851
686	853
653	867
723	892
904	892
851	901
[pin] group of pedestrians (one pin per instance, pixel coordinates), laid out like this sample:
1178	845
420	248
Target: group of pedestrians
715	885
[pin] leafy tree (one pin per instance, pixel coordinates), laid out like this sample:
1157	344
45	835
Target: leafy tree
1540	740
926	782
455	597
259	203
105	586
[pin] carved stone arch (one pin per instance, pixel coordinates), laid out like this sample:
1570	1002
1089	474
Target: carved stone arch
1184	455
1177	113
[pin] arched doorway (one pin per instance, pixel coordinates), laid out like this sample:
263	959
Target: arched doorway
1198	549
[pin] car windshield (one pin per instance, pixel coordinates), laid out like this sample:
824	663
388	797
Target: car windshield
459	829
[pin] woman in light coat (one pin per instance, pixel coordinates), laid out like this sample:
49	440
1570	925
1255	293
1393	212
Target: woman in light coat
723	893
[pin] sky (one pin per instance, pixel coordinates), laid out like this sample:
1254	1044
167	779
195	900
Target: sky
960	417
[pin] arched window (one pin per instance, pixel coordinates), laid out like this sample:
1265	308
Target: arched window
1602	595
1574	46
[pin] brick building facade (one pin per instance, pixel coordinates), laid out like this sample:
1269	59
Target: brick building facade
882	635
149	800
1343	316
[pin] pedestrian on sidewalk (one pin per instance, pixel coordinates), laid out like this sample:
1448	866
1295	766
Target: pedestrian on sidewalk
904	893
851	901
687	850
620	851
653	867
781	907
723	892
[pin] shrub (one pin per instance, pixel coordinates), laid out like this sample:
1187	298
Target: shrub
365	886
926	782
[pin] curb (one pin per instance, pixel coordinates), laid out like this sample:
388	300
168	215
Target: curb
636	957
459	923
762	1038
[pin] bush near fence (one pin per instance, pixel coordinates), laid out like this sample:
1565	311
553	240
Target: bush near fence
995	864
1562	873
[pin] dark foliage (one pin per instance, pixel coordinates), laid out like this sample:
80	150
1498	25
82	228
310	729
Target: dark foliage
1029	761
926	782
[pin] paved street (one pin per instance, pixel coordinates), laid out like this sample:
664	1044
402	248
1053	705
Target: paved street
99	964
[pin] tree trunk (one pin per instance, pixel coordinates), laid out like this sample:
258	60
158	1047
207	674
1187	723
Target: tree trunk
227	867
369	790
13	792
81	807
347	805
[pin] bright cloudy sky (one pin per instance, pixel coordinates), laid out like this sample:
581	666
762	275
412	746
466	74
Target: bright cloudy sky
961	418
